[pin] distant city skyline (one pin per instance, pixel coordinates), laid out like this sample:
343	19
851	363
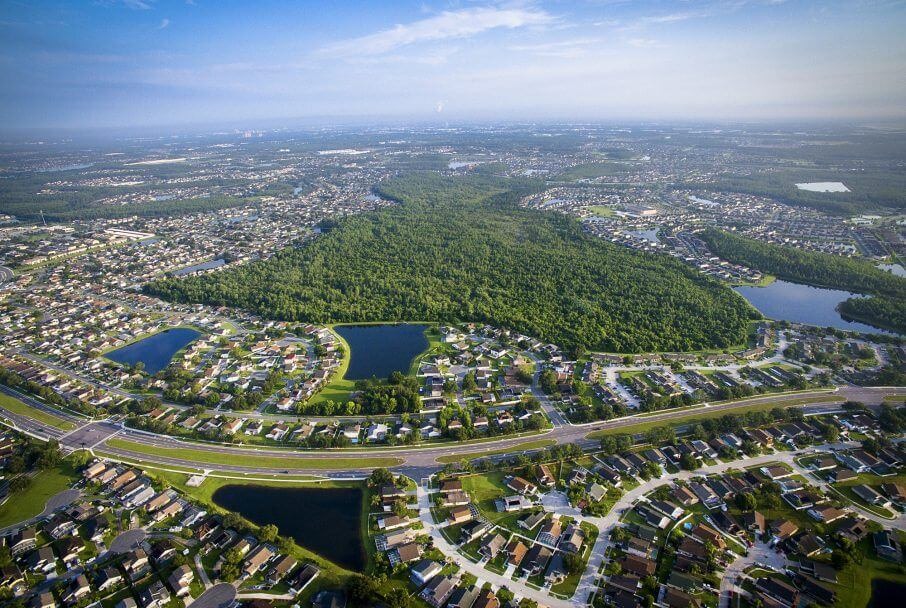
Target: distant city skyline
144	63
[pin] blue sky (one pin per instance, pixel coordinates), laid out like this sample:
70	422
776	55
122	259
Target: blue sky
84	63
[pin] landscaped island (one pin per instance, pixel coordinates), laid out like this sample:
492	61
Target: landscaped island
462	249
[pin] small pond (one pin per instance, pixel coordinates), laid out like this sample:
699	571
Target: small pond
785	301
886	593
378	350
326	521
156	351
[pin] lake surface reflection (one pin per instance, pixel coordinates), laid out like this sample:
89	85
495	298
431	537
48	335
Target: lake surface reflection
156	351
378	350
326	521
782	300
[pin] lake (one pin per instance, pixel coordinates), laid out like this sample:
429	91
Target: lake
326	521
782	300
378	350
885	593
155	351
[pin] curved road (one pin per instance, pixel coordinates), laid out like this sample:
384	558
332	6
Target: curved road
418	461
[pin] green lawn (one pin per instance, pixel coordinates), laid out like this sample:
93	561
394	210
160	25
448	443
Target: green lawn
602	210
854	581
847	491
31	501
338	389
519	447
484	489
207	458
434	346
18	407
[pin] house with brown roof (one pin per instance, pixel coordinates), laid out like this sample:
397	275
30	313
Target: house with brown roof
784	528
521	486
639	566
515	551
545	477
460	514
257	559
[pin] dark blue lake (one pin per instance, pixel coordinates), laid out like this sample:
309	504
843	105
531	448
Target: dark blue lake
326	521
785	301
155	351
378	350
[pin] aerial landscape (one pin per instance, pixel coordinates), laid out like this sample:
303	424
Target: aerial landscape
453	304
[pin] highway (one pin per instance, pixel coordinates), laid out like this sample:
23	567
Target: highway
6	274
417	461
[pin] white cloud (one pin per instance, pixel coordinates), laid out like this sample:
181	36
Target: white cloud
164	23
139	5
447	25
563	49
642	42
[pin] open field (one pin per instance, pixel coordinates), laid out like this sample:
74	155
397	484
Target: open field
30	502
206	457
17	407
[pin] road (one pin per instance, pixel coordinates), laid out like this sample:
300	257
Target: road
6	274
417	461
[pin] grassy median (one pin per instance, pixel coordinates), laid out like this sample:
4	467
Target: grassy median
22	409
514	449
209	459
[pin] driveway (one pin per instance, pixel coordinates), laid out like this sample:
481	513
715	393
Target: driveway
219	596
127	541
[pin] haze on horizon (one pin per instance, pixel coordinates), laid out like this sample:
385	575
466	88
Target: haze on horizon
140	63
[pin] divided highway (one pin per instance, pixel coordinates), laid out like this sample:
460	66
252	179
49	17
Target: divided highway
418	461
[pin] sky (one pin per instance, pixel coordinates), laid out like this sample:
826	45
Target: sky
73	64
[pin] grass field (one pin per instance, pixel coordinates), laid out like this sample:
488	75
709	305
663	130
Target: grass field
208	458
854	581
338	389
703	413
31	501
602	210
18	407
484	489
519	447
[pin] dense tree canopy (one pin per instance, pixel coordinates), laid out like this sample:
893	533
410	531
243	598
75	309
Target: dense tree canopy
461	249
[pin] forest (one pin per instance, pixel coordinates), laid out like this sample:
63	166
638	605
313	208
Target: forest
462	249
885	309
